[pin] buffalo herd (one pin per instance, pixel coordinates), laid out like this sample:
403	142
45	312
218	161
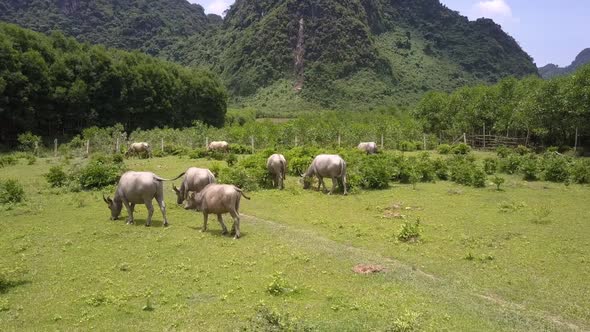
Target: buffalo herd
199	190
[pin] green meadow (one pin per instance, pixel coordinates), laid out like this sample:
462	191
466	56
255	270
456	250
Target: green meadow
517	259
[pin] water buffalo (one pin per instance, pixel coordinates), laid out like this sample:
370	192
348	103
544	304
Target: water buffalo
327	165
139	148
368	147
277	167
195	179
218	146
218	199
138	188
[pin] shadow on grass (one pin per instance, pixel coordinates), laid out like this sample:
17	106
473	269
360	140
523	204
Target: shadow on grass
6	285
155	223
217	232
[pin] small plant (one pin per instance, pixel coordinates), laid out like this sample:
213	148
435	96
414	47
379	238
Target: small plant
541	215
444	149
8	161
503	151
511	206
498	181
268	320
461	149
28	141
580	171
31	159
148	305
279	286
410	231
530	168
56	177
490	165
408	322
511	164
522	150
118	158
11	192
231	159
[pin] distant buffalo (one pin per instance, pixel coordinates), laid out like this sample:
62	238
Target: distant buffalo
368	147
218	199
330	166
218	146
139	148
138	188
277	167
195	179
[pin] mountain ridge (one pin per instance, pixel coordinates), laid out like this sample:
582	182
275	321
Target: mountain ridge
552	70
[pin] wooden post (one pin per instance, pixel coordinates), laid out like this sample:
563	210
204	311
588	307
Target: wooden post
162	144
424	137
55	147
381	141
465	138
87	147
296	140
576	141
339	141
252	142
117	147
484	135
36	148
206	142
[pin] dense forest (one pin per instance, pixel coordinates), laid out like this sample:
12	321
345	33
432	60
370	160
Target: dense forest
53	85
547	112
293	54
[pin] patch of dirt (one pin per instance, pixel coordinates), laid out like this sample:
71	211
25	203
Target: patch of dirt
368	269
394	211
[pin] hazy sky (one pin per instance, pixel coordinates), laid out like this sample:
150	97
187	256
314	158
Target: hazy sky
550	31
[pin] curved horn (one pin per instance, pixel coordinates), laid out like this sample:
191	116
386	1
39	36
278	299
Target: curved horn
174	188
105	199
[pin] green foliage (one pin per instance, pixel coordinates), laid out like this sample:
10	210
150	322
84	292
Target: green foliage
8	160
461	148
529	166
56	176
511	164
374	172
490	165
444	149
100	172
408	322
465	171
503	151
28	141
11	192
231	159
407	146
522	150
279	285
580	171
555	168
55	86
269	320
498	181
410	231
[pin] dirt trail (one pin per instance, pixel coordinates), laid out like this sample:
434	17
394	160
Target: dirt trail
402	271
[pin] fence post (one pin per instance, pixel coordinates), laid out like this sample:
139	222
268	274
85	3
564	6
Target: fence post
55	147
424	139
252	142
162	144
206	142
339	141
484	135
381	141
465	138
36	148
87	147
117	147
576	141
296	140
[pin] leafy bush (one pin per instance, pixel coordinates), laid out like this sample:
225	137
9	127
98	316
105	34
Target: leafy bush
28	141
490	165
510	164
175	150
118	158
425	167
11	192
441	168
231	159
374	173
56	176
530	168
522	150
461	149
580	171
239	177
555	168
410	231
31	159
100	172
279	285
498	181
8	160
478	177
407	146
444	149
216	155
240	149
503	151
198	154
267	320
463	170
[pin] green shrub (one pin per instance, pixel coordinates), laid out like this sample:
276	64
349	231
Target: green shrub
231	159
490	165
461	149
498	181
522	150
503	151
410	231
198	154
118	158
510	164
279	285
216	155
407	146
441	168
240	149
267	320
555	168
530	168
175	150
28	141
580	171
424	167
56	176
552	149
444	149
11	192
7	161
374	173
239	177
100	172
478	177
299	165
31	159
463	170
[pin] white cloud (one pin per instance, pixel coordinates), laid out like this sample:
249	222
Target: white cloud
494	9
218	7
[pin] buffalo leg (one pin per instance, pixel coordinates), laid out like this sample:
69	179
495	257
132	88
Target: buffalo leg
220	219
150	208
162	205
129	212
334	184
236	227
205	217
322	184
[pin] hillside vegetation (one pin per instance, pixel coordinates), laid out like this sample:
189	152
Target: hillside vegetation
57	86
552	70
293	54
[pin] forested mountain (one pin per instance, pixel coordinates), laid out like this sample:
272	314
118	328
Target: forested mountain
54	86
552	70
293	54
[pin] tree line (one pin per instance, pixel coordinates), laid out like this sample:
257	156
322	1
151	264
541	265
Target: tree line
55	86
546	112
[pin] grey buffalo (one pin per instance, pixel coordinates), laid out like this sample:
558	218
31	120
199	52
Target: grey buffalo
138	188
218	199
139	148
277	167
195	179
368	147
329	166
218	146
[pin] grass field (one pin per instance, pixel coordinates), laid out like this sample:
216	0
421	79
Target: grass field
487	260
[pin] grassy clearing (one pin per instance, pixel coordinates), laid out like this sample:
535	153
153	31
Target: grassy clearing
486	260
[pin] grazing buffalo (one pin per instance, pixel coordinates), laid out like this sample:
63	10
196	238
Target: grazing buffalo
195	179
368	147
330	166
218	146
277	167
139	148
138	188
218	199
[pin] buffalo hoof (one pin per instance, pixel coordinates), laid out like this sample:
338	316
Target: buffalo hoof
147	225
236	237
166	225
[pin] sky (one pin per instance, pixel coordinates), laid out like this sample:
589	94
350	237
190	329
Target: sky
550	31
